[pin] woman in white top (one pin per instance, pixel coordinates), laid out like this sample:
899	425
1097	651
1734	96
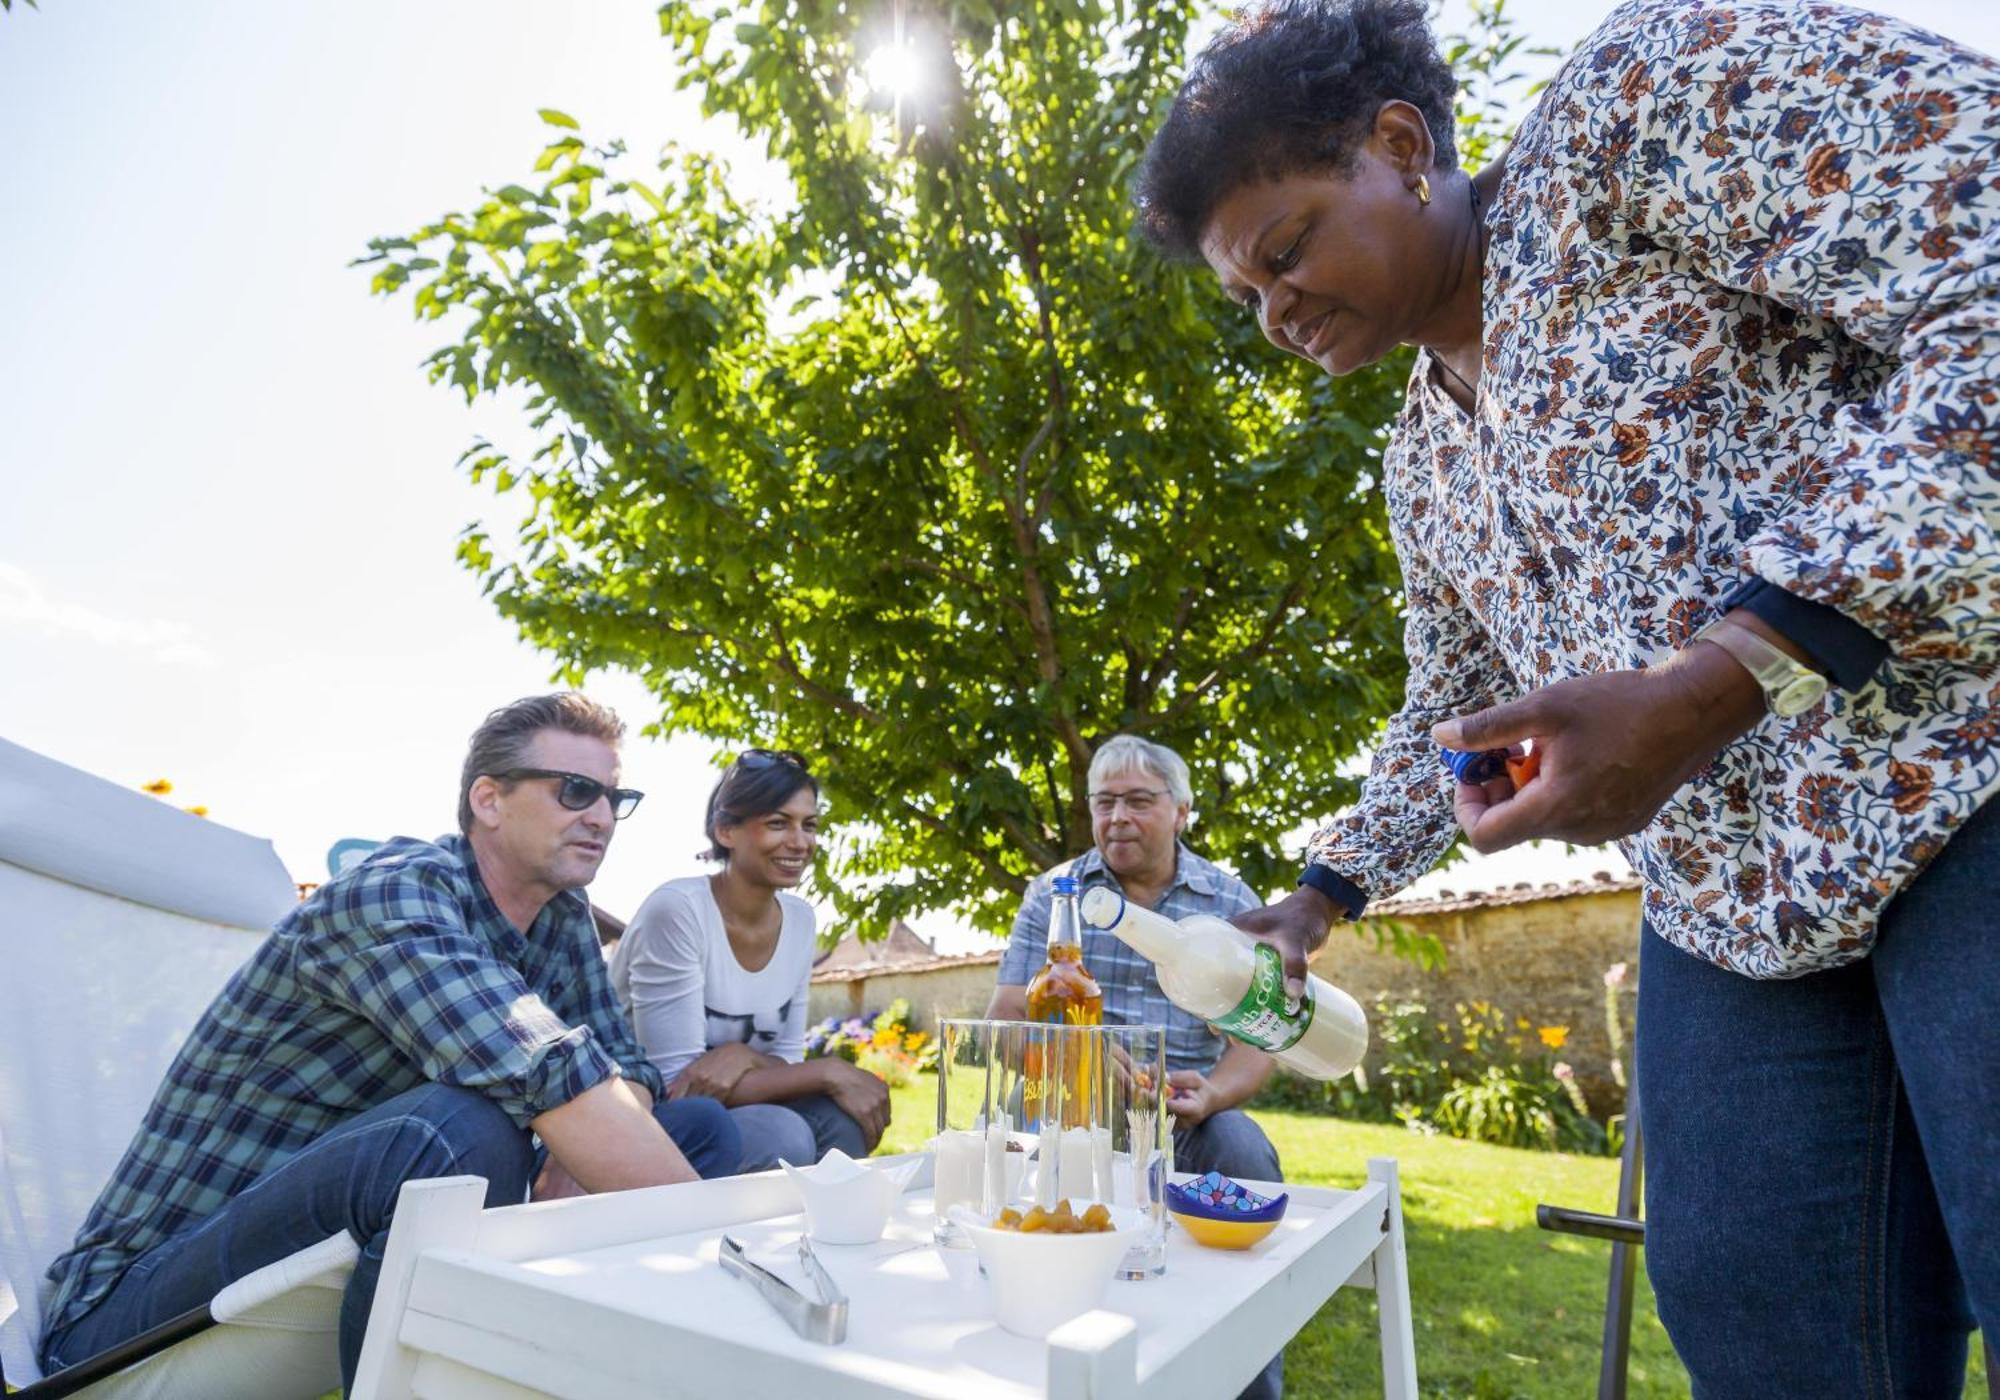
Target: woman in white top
714	969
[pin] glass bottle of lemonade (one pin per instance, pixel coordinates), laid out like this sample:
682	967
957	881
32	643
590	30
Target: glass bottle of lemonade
1212	969
1063	993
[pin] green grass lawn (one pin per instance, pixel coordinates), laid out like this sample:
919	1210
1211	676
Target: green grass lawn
1503	1309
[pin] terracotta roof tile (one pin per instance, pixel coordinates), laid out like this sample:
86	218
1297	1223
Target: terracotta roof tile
857	972
902	949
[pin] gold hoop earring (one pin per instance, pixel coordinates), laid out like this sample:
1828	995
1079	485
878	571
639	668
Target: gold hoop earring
1423	189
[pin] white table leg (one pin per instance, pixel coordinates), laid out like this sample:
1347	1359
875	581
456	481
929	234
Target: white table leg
1094	1357
1392	1291
438	1213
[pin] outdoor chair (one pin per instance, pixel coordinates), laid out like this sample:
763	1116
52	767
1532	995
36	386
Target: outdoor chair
1627	1233
122	916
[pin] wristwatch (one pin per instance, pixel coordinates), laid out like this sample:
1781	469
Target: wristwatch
1790	687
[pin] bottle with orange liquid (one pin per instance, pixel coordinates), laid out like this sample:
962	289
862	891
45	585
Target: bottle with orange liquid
1063	993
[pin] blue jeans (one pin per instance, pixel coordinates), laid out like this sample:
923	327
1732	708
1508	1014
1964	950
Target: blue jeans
348	1180
799	1131
1230	1142
1823	1154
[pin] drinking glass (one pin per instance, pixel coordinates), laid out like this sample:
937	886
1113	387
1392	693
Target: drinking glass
982	1148
1031	1113
1138	1135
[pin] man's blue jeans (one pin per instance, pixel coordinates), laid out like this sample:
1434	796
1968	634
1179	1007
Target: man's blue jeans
1823	1154
1230	1142
348	1180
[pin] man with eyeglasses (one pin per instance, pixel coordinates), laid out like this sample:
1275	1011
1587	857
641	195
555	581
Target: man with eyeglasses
1140	801
428	1013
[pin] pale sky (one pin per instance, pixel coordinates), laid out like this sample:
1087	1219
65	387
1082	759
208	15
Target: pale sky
230	504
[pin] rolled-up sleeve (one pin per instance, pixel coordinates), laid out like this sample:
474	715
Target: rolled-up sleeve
397	954
596	1006
1848	653
1875	206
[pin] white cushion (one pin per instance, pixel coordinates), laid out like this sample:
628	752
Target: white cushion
120	919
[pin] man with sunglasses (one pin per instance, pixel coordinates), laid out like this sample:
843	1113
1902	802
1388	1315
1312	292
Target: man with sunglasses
429	1013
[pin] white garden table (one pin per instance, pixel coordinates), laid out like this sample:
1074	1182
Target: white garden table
621	1296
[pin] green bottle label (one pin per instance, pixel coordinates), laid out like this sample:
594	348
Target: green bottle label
1260	1018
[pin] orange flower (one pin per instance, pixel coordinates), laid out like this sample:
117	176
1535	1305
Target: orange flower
1633	443
1636	83
1938	245
159	787
1826	171
1909	787
198	811
1917	120
1554	1036
1821	805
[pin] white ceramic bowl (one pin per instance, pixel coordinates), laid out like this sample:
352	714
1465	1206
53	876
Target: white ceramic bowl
848	1202
1039	1282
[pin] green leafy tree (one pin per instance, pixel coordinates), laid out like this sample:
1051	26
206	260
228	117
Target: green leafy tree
932	471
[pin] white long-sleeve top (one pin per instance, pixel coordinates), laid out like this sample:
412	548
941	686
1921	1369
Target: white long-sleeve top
684	991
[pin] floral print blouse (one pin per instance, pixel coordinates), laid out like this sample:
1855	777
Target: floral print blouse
1742	310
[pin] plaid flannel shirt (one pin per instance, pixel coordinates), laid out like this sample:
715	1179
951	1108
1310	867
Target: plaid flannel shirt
1132	995
399	972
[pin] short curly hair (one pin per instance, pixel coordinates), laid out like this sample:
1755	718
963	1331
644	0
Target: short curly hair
1291	85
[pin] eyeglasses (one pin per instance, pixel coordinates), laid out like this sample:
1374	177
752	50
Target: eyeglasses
1138	802
578	793
764	758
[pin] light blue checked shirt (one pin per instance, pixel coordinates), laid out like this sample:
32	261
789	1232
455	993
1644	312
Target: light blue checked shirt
1132	995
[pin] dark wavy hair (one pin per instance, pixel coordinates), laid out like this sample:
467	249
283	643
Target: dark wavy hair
759	782
1292	85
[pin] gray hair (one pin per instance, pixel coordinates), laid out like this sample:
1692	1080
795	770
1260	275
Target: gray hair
1124	752
502	739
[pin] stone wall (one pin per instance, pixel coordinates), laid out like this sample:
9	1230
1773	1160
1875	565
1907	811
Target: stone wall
959	988
1538	954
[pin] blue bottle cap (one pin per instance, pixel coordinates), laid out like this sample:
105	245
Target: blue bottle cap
1474	767
1065	884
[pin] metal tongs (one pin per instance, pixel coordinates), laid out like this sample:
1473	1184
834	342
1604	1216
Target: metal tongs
823	1320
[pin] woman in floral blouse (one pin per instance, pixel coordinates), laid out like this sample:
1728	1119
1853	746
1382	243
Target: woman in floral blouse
1696	490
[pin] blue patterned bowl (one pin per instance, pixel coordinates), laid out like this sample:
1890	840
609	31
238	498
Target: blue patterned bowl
1221	1213
1218	1212
1216	1197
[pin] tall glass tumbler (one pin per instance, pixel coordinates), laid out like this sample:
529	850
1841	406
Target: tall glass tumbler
1031	1114
1131	1115
982	1147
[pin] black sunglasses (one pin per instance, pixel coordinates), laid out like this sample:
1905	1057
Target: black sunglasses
764	758
579	793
